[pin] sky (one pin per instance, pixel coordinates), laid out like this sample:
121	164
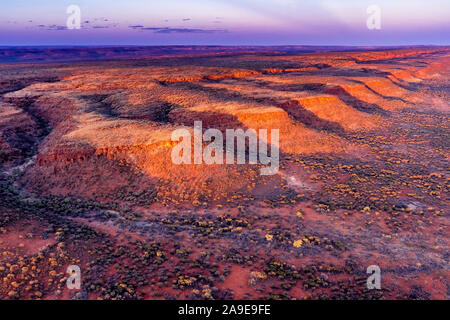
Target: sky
225	22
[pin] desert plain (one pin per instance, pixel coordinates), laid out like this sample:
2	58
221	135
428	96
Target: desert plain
86	176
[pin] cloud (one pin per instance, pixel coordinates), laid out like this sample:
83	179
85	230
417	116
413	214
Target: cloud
174	30
183	30
53	27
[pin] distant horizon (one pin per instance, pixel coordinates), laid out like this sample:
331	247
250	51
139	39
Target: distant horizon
218	45
61	53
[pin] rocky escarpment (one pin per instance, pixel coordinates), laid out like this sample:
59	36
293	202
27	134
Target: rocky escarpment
110	126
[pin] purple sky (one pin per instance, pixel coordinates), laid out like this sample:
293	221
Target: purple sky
226	22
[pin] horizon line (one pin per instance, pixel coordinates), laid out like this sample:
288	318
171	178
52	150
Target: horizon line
217	45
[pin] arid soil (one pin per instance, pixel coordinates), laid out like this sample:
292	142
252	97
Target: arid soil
86	176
